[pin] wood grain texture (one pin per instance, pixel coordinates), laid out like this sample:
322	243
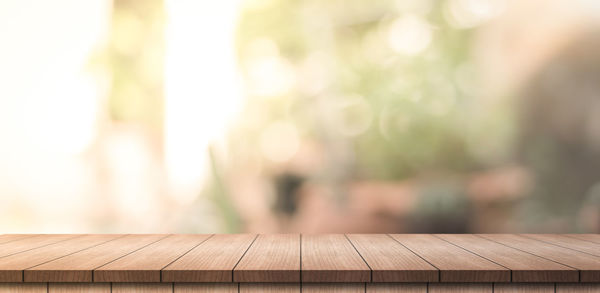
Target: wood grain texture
212	261
460	288
78	267
455	264
205	288
333	287
269	288
23	288
589	265
331	258
587	237
5	238
11	267
523	288
144	265
577	288
390	261
29	243
568	242
142	288
78	287
396	288
272	258
525	267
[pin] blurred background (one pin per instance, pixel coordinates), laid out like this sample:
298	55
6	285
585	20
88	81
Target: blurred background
299	116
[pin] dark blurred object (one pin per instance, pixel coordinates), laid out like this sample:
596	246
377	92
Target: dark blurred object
287	186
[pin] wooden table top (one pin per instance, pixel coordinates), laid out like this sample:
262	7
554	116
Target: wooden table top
302	258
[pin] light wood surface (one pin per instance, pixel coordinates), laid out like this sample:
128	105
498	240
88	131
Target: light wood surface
78	267
331	258
390	261
589	265
306	259
79	288
4	238
269	288
142	288
334	288
523	288
12	266
587	237
460	288
212	261
568	242
272	258
25	244
525	267
455	264
205	288
144	265
396	288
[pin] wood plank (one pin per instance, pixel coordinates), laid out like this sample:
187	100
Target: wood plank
577	288
142	288
523	288
333	287
587	237
144	265
29	243
331	258
272	258
23	288
205	288
78	267
460	288
525	267
79	288
396	288
5	238
390	261
11	267
588	265
568	242
212	261
455	264
269	288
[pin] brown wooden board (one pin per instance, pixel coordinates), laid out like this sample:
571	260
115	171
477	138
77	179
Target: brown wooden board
78	287
587	237
269	288
390	261
523	288
525	267
212	261
396	288
29	243
455	264
205	288
12	267
78	267
5	238
577	288
144	265
23	288
142	288
568	242
272	258
460	288
332	258
333	288
588	265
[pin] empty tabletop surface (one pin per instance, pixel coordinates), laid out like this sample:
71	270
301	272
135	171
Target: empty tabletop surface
300	258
